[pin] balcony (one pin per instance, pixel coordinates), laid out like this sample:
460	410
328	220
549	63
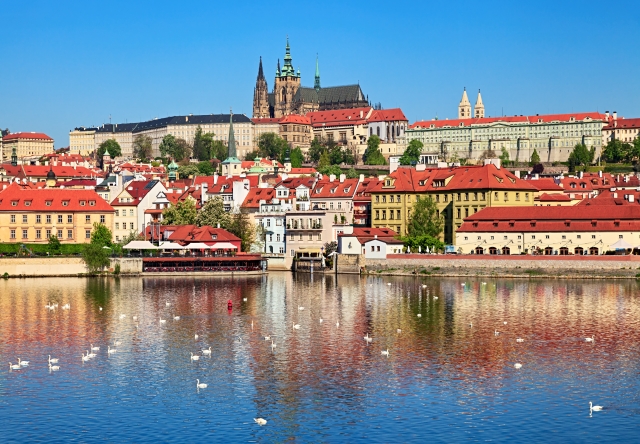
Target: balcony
304	226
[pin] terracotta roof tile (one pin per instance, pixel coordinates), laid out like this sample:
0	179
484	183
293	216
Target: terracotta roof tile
18	198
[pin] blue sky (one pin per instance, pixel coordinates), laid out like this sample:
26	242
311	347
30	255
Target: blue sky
68	64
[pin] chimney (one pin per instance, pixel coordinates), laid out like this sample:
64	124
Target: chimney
361	178
215	178
332	177
615	195
218	224
600	173
615	115
342	177
631	198
375	236
361	114
606	115
517	174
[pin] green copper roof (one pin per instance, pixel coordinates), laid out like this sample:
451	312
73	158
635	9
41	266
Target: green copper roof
229	160
173	166
287	69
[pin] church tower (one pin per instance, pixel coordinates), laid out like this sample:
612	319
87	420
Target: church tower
261	96
316	83
464	109
478	110
286	85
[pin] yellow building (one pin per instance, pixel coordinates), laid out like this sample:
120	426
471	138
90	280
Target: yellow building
26	145
82	141
33	215
458	192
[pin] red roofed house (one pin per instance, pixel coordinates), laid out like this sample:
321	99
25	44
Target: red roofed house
374	243
581	229
33	215
189	234
296	130
389	125
131	204
624	130
26	145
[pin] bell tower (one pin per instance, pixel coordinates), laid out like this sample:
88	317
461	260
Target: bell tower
261	96
286	85
464	109
478	110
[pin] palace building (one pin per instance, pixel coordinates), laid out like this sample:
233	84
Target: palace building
289	97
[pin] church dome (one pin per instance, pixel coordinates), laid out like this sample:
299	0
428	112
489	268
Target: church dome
51	175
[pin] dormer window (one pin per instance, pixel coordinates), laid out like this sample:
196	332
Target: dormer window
92	203
48	203
65	203
83	203
27	203
14	203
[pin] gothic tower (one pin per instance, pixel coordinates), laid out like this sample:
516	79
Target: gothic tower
464	109
478	110
286	85
261	96
316	83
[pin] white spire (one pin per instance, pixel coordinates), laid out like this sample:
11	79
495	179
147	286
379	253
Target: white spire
478	110
464	109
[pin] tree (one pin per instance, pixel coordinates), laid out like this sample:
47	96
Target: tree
330	169
188	170
177	149
580	155
352	173
425	218
504	156
242	227
535	158
315	150
213	213
324	161
53	245
412	153
296	157
488	154
372	155
101	235
112	146
95	257
142	145
200	149
421	243
538	168
336	155
205	168
184	151
252	155
217	149
182	213
271	145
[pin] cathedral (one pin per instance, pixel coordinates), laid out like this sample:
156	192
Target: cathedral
289	97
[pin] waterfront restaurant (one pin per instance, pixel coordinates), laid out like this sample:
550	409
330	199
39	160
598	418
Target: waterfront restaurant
556	230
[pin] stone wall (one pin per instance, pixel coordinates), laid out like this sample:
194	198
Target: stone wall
349	263
128	265
42	266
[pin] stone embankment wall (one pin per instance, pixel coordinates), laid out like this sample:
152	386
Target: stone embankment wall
507	266
60	266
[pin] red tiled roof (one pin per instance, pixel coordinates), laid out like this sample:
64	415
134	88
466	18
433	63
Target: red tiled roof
387	115
225	184
265	120
326	189
138	189
339	117
372	232
553	198
265	163
544	184
15	136
294	182
59	200
295	118
303	171
543	118
622	123
256	195
59	170
185	234
363	194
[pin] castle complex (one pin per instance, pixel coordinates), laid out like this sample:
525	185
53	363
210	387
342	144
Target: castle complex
289	97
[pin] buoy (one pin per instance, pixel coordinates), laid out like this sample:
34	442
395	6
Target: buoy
229	304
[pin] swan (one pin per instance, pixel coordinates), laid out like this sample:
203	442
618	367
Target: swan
419	315
519	340
496	332
517	365
54	368
94	348
91	355
424	285
398	331
168	304
244	299
122	316
301	308
338	324
23	363
591	339
435	298
267	338
273	344
206	351
176	318
388	283
251	325
321	320
163	321
260	421
470	324
85	358
195	357
66	307
505	322
14	366
100	308
196	336
596	408
135	318
53	360
111	350
484	283
296	326
385	352
368	338
200	385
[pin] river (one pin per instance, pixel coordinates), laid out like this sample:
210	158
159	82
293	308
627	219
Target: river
449	375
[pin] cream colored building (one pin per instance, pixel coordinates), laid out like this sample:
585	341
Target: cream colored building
26	145
624	130
265	125
82	141
130	206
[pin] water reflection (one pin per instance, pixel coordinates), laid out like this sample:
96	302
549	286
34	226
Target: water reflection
321	382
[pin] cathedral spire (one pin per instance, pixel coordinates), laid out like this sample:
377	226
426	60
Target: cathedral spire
260	73
232	138
478	110
278	69
464	109
287	69
316	84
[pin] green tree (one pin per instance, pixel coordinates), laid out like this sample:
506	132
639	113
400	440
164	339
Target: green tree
348	157
95	257
242	227
175	148
205	168
53	245
324	161
412	153
296	157
535	158
271	145
315	150
213	213
101	235
217	149
580	155
372	155
200	148
112	146
252	155
421	243
142	145
504	157
352	173
330	169
188	170
425	218
336	155
182	213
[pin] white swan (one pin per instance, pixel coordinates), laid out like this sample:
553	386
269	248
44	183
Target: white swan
519	340
301	308
135	318
517	365
273	344
14	366
53	368
388	283
85	358
111	350
505	322
267	338
398	331
91	355
53	360
419	315
100	308
196	336
66	307
200	385
368	338
385	352
595	408
206	351
496	332
321	320
195	357
296	326
23	363
337	323
260	421
470	324
163	321
94	348
591	339
244	299
424	285
435	298
116	343
176	318
168	304
122	316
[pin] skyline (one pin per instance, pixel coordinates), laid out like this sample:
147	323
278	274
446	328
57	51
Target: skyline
165	61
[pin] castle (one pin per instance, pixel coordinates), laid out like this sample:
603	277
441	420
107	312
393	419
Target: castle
289	97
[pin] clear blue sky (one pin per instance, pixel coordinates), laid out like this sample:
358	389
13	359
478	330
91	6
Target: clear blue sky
69	64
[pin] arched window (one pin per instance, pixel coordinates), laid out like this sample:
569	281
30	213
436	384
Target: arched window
593	250
548	251
506	250
579	251
493	250
284	95
378	131
564	251
479	250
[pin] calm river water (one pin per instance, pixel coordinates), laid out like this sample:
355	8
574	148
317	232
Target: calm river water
448	376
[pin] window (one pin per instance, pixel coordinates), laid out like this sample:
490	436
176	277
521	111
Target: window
398	214
292	237
533	237
377	214
526	197
506	196
92	203
519	237
48	233
593	236
579	236
466	212
131	225
319	236
117	212
293	253
87	234
620	236
87	218
59	234
466	238
377	199
59	218
398	199
373	248
384	214
505	237
459	213
117	225
391	214
547	236
24	218
13	234
271	238
13	218
24	234
466	196
69	218
38	234
38	219
384	199
491	237
300	236
69	234
310	236
48	218
391	198
517	196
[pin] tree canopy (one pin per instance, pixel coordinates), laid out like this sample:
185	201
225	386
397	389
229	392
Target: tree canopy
330	169
296	157
101	235
352	173
411	155
242	227
142	147
182	213
581	155
173	147
112	146
425	218
271	145
205	168
184	171
616	151
535	158
504	156
94	254
213	213
372	155
422	242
